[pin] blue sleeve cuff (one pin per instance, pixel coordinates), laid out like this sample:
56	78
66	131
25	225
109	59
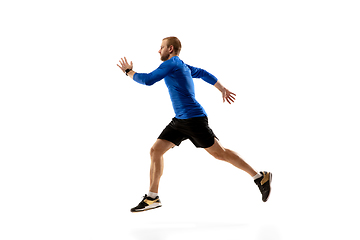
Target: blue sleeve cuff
138	79
209	78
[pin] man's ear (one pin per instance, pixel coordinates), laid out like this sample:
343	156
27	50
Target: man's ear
171	49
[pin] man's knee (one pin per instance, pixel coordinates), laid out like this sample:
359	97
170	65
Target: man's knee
220	155
159	148
155	152
152	151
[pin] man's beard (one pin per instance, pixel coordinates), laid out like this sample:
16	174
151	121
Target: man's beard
165	57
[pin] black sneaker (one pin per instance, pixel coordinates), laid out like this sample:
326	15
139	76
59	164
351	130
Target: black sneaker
264	183
146	204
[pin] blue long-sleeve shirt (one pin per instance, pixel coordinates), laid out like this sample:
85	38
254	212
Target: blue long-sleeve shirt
179	80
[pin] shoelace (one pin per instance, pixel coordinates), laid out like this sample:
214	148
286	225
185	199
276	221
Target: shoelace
141	204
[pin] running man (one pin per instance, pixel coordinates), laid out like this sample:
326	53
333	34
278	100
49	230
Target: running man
190	122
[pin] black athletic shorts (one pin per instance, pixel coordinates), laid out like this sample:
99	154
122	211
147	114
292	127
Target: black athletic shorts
196	129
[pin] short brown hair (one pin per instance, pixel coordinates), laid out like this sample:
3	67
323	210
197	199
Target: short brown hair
175	42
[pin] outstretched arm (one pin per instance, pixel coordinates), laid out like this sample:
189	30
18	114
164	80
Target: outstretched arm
226	94
146	78
211	79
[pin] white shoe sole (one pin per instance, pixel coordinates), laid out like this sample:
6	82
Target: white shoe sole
152	206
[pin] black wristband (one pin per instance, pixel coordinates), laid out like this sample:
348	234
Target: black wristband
127	71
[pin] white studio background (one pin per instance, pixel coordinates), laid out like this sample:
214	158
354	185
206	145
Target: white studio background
75	132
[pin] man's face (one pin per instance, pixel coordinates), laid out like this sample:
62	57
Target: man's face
164	51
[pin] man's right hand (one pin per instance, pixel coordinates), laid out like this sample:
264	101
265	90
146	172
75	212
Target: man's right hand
125	65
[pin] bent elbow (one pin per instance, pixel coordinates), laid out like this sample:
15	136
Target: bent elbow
149	83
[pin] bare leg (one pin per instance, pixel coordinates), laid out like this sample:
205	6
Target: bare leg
157	151
221	153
